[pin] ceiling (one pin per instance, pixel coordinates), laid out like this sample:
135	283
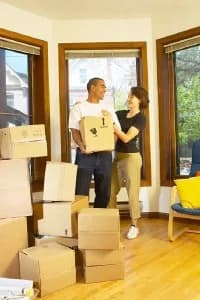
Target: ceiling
103	9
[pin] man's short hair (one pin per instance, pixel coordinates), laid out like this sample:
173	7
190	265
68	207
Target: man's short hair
93	81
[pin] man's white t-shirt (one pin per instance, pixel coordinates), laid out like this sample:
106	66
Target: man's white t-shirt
85	109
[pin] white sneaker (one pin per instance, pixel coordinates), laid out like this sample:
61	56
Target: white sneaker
133	232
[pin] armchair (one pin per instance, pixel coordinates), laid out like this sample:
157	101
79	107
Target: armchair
178	211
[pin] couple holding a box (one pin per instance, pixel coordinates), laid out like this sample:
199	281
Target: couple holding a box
126	167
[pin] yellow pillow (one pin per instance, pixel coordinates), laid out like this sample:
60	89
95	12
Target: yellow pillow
189	192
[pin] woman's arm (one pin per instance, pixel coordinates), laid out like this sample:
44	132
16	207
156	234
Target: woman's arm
126	137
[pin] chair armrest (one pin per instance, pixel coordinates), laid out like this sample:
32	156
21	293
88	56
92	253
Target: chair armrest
173	195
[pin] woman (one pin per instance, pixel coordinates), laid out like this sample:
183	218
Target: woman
128	162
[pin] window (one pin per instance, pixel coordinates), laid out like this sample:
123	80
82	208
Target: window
24	88
15	108
121	65
179	101
83	75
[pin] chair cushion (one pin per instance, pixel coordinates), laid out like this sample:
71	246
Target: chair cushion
189	211
189	191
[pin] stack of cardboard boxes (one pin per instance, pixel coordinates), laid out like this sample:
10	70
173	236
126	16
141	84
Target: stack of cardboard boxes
55	220
16	145
60	206
60	217
99	240
51	266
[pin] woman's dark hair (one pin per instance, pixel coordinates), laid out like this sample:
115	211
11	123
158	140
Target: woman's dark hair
141	94
93	81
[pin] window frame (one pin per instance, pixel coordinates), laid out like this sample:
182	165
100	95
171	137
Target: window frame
166	100
39	95
64	96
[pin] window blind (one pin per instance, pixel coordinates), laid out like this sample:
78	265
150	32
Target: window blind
73	54
186	43
20	47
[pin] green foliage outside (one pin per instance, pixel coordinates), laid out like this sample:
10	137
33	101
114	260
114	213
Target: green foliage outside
188	95
188	100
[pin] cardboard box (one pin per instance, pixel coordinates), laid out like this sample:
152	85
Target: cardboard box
98	240
99	219
103	273
103	257
65	241
51	267
23	141
13	237
15	194
59	181
97	133
61	218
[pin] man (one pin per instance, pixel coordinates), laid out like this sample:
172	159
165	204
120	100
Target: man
98	164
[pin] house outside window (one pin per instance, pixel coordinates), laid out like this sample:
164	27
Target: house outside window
24	89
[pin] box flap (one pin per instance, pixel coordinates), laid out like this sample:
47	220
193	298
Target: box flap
59	181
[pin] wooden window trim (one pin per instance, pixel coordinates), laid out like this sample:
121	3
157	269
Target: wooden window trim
63	93
166	99
40	97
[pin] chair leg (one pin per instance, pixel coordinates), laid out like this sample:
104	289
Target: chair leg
171	236
170	226
192	231
180	232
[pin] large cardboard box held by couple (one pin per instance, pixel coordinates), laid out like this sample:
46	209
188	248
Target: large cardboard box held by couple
51	266
98	228
23	141
97	133
15	194
13	237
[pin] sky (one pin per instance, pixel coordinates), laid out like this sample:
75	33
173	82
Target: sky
17	61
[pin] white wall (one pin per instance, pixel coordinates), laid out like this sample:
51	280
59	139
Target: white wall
20	21
37	27
176	20
143	29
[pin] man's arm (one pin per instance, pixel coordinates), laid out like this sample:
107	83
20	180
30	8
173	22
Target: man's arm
78	140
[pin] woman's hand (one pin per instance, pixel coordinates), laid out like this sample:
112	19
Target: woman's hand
117	130
106	113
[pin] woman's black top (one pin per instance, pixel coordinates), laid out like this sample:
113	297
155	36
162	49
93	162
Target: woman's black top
138	121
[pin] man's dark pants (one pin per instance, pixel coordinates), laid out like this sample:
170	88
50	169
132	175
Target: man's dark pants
98	164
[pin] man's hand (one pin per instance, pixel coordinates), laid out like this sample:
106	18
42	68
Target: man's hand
83	150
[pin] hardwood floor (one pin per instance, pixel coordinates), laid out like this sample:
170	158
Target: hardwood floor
155	269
